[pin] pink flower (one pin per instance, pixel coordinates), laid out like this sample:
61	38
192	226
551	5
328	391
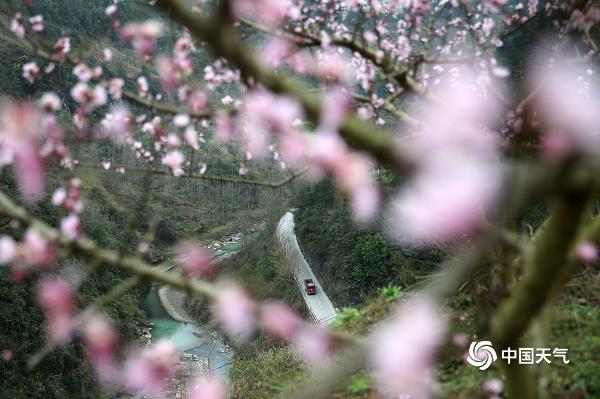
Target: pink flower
97	72
116	125
337	104
584	22
6	355
587	252
279	320
8	250
225	127
21	134
404	349
16	25
493	386
352	172
270	12
440	207
169	73
101	342
142	85
105	165
276	51
264	114
107	54
333	67
62	48
181	120
69	198
203	167
370	37
173	140
190	135
458	177
148	370
50	102
143	247
58	301
30	71
83	72
115	88
71	227
142	36
206	387
37	23
460	340
568	103
227	100
193	259
198	101
183	47
36	250
312	343
90	97
494	5
174	160
111	10
235	311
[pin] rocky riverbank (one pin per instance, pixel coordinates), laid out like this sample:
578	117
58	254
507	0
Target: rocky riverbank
174	303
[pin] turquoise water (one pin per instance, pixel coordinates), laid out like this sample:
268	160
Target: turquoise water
187	338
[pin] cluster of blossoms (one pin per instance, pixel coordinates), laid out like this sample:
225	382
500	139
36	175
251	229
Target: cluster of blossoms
265	117
142	36
194	260
459	173
173	70
34	251
145	370
27	137
69	198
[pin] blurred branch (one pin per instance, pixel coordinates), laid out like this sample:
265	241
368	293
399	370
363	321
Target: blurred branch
546	267
91	250
391	108
98	303
548	263
199	176
386	63
164	108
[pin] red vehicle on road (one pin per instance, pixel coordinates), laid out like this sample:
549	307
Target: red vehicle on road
310	287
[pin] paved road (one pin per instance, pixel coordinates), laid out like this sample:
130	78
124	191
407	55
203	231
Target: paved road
320	305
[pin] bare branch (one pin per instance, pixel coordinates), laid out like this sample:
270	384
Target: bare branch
199	176
224	42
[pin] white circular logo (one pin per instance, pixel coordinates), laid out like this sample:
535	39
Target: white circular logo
481	354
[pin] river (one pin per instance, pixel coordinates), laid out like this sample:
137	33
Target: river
186	337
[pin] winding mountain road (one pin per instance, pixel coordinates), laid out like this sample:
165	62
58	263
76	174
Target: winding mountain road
320	306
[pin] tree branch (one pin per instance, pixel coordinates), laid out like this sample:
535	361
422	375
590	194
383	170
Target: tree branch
224	179
224	42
